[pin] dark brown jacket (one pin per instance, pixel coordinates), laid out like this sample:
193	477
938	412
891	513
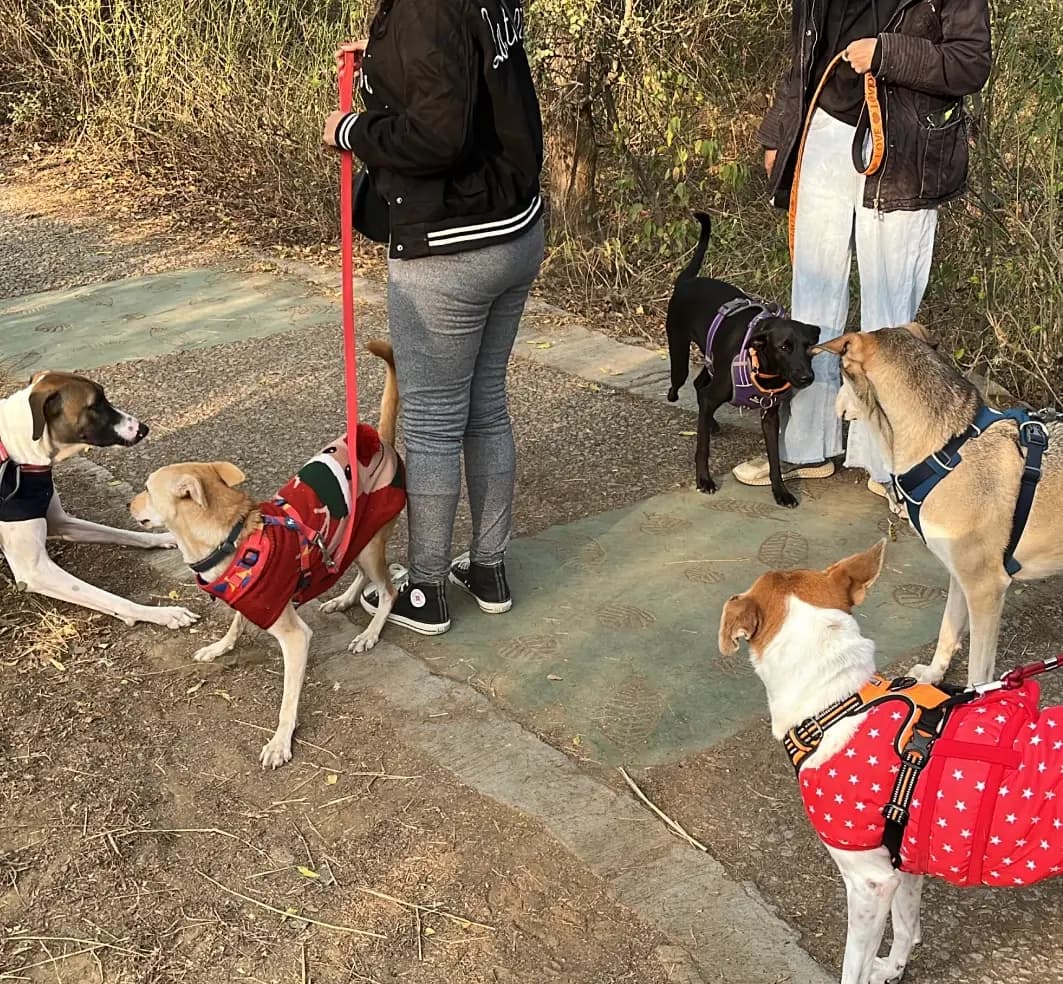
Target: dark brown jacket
930	55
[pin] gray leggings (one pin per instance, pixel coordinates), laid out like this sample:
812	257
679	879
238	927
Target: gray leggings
453	322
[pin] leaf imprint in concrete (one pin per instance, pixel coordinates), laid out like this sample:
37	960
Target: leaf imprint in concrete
661	524
784	549
632	712
626	617
918	595
703	573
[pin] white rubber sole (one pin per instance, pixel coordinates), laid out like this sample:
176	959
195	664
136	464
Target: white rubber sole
490	607
802	471
421	628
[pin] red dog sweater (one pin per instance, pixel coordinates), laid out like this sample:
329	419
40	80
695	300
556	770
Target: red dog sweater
987	808
278	562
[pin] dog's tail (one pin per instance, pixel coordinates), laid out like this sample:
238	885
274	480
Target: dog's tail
389	401
693	268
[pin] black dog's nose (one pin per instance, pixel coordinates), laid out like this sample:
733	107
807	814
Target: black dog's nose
142	432
804	381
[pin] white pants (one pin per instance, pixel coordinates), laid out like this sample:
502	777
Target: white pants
893	255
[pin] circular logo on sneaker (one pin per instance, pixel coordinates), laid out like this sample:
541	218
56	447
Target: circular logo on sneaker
417	598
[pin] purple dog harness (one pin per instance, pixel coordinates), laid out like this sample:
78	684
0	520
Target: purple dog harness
753	389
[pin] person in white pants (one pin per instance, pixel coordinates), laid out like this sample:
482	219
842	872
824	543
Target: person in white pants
890	217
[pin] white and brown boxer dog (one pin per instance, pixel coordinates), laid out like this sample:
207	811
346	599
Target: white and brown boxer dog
57	416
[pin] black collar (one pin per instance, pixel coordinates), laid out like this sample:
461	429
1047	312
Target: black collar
224	549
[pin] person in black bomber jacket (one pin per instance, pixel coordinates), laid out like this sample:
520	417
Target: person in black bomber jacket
926	56
451	138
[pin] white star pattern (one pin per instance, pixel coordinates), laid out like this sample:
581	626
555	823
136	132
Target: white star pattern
965	826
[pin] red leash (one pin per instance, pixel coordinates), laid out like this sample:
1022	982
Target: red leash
346	86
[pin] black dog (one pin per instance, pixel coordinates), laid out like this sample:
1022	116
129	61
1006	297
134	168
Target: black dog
777	350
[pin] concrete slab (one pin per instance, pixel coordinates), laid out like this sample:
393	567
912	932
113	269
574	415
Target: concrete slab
102	324
611	645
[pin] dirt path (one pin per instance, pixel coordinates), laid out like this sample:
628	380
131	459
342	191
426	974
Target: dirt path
132	808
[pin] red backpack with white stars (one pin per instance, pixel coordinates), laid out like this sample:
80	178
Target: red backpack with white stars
985	805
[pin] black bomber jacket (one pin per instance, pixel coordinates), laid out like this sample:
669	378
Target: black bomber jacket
930	54
451	133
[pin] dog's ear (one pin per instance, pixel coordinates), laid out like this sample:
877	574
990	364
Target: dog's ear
46	405
839	346
189	486
858	572
229	473
740	619
920	332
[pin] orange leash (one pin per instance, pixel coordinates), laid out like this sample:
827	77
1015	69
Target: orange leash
346	87
878	136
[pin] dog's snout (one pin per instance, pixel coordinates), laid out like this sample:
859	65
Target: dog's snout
142	432
802	381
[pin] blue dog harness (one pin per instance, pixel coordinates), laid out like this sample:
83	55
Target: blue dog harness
751	387
25	490
917	483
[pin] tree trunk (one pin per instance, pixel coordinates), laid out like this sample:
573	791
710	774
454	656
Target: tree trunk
572	157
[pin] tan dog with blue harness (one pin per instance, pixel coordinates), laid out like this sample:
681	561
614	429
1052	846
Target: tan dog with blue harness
982	488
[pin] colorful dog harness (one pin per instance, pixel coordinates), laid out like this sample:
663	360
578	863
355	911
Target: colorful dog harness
752	388
290	556
967	787
912	487
25	490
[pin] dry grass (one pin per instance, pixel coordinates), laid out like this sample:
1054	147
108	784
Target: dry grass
217	104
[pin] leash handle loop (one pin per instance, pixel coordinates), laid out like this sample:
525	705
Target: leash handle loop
873	121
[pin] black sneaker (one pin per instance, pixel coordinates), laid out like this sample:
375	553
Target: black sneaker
487	585
418	607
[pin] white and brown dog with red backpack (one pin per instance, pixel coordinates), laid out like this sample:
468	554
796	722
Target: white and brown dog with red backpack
899	779
264	559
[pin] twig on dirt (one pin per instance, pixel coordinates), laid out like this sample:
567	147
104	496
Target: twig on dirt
303	955
309	854
434	909
95	944
671	824
132	832
288	915
310	824
419	930
298	741
16	974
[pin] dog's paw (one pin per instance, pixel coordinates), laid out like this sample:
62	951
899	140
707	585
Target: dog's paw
886	971
924	673
209	653
158	541
171	618
339	604
364	642
275	753
708	486
785	499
